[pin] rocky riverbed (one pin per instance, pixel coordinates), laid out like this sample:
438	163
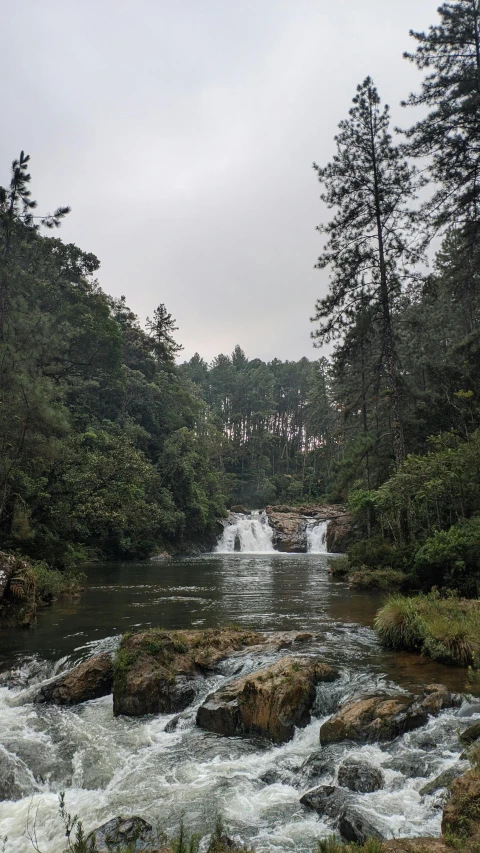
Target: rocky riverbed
244	733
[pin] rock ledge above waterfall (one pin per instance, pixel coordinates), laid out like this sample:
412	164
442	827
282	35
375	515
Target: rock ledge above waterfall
290	526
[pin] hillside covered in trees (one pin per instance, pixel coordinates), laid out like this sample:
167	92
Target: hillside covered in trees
111	449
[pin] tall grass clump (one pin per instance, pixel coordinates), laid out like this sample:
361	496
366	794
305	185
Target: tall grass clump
399	624
445	629
331	845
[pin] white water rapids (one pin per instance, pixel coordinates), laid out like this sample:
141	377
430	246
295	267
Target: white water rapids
110	767
131	766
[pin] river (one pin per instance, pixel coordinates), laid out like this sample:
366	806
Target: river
110	767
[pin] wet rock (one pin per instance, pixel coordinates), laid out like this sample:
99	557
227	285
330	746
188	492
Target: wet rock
133	833
360	777
89	680
438	698
381	717
414	765
159	671
289	531
239	508
316	766
355	826
443	781
303	638
15	779
326	800
341	533
471	734
172	725
271	777
269	703
290	524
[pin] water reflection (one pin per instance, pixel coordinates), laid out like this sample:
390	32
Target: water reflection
267	591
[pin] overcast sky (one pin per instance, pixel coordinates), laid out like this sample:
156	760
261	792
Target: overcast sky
182	134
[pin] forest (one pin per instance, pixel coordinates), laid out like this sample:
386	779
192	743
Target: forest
112	449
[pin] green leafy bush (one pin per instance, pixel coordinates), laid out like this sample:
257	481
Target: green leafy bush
451	558
378	552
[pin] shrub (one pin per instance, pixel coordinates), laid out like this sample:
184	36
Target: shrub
339	567
377	552
386	579
446	629
452	558
398	624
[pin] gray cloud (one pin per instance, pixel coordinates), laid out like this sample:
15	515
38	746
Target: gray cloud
182	133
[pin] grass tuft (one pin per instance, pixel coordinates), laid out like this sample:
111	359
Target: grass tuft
446	629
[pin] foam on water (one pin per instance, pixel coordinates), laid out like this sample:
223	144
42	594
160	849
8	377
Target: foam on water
317	537
248	534
119	766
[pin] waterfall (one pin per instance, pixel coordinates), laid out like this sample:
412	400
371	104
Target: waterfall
317	537
247	534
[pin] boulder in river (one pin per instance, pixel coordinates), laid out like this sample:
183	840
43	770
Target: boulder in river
381	717
157	672
443	781
89	680
326	800
471	734
127	833
354	825
15	779
360	776
269	703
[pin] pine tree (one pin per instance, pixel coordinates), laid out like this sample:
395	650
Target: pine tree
161	330
449	135
369	248
16	212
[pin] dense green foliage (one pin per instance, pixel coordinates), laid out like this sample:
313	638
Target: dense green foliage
104	449
110	449
404	375
275	419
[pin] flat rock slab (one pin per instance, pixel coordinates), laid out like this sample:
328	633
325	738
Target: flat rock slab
269	703
381	717
157	672
89	680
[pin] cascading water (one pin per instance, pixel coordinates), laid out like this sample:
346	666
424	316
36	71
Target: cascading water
249	534
317	538
110	766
